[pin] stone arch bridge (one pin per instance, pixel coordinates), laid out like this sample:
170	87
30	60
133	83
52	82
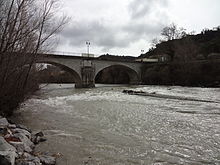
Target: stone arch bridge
85	69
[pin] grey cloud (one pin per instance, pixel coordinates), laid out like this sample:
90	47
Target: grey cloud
142	18
107	36
97	33
140	29
140	8
82	31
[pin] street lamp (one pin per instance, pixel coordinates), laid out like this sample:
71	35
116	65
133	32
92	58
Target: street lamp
88	44
142	51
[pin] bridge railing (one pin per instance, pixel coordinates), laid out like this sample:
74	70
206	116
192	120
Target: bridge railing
70	54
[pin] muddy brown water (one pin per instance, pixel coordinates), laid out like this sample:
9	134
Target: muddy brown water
103	126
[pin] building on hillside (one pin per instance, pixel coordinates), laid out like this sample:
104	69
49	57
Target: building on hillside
200	57
87	55
214	56
146	60
155	58
161	57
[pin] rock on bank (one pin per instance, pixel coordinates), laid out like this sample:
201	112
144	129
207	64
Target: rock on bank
17	145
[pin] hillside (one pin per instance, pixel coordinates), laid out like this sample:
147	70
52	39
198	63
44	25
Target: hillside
192	46
190	62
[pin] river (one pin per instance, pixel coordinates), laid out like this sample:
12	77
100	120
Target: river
103	126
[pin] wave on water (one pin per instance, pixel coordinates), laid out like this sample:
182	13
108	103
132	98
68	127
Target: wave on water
91	95
109	96
210	94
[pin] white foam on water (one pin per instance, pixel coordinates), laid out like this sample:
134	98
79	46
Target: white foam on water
65	104
210	94
88	96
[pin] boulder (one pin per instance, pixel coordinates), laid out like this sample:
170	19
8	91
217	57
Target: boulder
28	145
23	127
38	137
28	159
41	134
4	160
33	159
3	122
7	153
19	146
10	138
23	162
3	131
22	131
12	126
47	160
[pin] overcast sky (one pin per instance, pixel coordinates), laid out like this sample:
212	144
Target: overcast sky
125	27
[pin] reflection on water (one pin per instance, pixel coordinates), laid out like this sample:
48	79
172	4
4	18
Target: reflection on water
103	126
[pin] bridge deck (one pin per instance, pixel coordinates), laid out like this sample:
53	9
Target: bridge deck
87	58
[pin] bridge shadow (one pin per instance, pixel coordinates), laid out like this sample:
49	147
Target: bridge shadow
116	74
75	78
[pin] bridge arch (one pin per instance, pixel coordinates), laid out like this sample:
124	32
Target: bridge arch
76	76
132	74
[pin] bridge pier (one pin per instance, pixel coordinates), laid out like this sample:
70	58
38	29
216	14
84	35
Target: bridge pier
134	82
85	85
78	85
87	74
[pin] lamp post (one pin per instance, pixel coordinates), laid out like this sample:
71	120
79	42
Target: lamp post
88	44
142	51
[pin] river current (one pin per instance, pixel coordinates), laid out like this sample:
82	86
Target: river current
103	126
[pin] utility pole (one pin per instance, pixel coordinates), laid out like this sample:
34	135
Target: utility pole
88	44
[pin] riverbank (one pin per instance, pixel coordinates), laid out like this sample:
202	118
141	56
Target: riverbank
17	144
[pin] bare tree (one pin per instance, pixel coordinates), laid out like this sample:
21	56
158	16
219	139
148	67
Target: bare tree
27	27
169	33
155	41
173	32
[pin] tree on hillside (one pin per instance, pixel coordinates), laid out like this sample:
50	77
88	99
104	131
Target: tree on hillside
168	33
27	28
173	32
155	41
186	50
